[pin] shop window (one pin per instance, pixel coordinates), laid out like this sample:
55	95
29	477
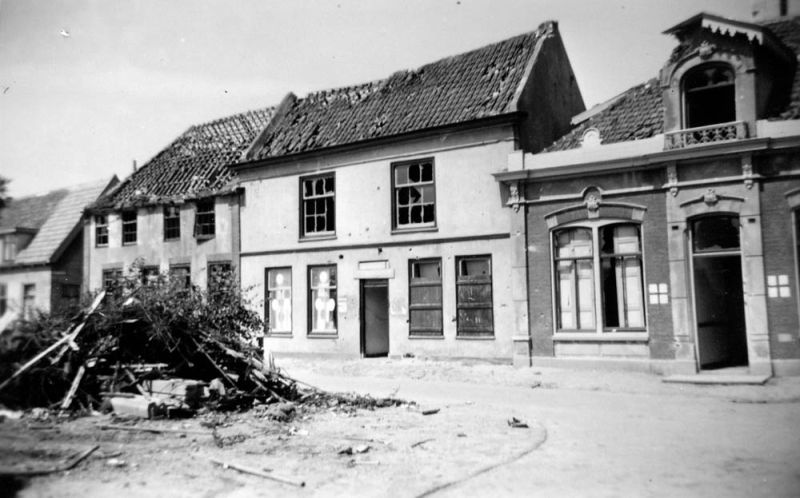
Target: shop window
101	230
278	309
598	278
414	200
172	222
425	298
205	220
182	275
128	227
322	299
709	95
715	234
474	315
318	206
28	300
3	299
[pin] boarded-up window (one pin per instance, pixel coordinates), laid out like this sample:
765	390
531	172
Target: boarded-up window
322	299
205	220
425	297
101	230
474	314
414	200
278	302
172	223
128	227
318	209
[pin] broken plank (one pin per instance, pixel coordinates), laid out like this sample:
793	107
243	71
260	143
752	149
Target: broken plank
420	443
73	388
52	470
256	472
154	430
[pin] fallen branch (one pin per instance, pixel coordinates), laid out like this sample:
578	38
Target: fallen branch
256	472
153	430
52	470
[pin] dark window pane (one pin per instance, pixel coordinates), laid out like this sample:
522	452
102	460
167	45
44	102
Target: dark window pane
715	233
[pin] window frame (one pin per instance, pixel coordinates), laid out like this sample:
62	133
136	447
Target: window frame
126	227
600	330
9	248
111	277
311	332
462	333
268	289
316	235
28	301
100	230
205	221
3	298
411	227
210	273
413	282
172	222
685	93
173	274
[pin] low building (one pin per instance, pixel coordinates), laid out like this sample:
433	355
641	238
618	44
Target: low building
663	231
179	213
41	244
370	220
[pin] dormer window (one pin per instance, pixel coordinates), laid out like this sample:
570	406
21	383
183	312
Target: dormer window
709	96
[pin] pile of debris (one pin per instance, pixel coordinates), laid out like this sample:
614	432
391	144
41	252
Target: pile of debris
150	348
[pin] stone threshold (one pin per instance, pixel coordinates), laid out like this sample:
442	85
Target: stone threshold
717	379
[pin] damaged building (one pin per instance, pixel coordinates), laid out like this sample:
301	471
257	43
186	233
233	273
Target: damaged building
663	231
370	221
178	213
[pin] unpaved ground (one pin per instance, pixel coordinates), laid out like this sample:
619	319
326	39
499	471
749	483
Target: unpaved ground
590	434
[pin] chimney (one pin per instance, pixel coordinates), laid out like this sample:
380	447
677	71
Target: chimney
134	165
767	10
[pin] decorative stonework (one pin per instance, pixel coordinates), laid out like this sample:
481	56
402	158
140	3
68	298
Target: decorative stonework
710	197
672	179
591	138
747	170
706	50
513	196
702	135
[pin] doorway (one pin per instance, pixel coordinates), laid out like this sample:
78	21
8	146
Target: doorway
374	318
718	292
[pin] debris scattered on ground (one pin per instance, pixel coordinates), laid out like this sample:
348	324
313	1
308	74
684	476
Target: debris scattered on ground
420	443
362	448
30	471
116	462
517	423
431	411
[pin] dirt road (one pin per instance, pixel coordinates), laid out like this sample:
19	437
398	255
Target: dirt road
589	434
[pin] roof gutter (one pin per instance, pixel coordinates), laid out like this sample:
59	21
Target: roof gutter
650	160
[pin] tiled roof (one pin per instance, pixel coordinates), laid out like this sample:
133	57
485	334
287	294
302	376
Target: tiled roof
476	84
788	31
30	212
639	112
194	165
62	222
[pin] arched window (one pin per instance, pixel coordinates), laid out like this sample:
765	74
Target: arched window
709	95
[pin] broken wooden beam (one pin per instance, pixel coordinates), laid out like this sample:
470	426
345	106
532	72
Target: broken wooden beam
154	430
73	388
256	472
51	470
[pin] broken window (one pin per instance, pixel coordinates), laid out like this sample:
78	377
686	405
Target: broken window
3	299
219	274
322	299
318	205
181	274
149	274
101	230
204	221
425	297
278	309
474	316
28	301
172	222
128	227
604	262
709	95
414	194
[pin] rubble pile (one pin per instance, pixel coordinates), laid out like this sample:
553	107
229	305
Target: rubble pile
151	348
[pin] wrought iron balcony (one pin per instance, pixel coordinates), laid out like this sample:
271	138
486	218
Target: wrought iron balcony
690	137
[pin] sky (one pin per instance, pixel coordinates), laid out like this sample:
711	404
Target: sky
89	86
